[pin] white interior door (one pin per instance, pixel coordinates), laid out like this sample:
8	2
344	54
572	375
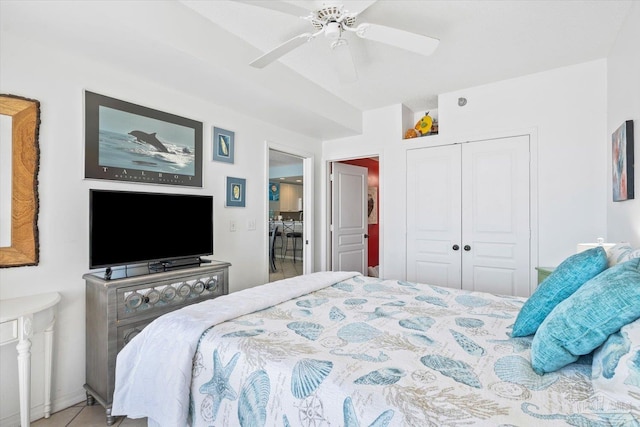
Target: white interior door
349	218
495	216
433	216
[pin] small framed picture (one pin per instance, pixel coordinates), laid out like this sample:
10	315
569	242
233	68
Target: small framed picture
236	191
274	191
223	145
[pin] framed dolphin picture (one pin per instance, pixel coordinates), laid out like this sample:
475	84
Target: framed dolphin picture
129	142
223	145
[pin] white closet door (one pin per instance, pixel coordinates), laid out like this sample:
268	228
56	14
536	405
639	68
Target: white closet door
495	216
433	216
468	216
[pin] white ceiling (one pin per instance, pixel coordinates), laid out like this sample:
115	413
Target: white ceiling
203	48
285	167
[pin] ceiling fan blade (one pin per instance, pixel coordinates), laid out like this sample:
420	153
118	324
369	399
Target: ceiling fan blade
280	6
356	7
343	63
281	50
413	42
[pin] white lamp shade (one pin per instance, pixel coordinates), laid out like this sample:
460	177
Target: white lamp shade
584	246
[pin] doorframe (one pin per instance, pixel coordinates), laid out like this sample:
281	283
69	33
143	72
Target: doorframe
308	203
325	220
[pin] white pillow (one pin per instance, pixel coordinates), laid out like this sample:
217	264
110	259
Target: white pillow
619	253
631	255
616	366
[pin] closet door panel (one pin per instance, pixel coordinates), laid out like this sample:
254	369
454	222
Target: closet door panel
433	215
495	216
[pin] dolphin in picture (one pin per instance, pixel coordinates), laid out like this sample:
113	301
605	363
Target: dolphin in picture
149	138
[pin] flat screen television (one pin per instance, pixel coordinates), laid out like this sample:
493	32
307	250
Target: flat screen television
157	228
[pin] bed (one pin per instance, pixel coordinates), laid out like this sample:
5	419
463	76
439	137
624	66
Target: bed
342	349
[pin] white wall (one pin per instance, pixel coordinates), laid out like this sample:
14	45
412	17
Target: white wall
565	110
57	80
623	87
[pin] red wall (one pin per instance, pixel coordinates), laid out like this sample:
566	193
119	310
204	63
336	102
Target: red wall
373	167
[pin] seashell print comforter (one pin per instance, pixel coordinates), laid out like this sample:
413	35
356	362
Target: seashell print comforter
367	351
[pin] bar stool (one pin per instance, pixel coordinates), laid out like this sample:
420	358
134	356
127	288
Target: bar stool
291	234
287	227
273	233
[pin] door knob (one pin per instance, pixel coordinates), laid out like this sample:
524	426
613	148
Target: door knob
366	236
467	247
456	247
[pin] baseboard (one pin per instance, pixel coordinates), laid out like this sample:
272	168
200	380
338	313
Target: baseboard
37	411
64	402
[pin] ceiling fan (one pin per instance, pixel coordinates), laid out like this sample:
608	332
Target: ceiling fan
333	20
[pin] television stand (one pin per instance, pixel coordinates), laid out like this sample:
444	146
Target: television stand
118	309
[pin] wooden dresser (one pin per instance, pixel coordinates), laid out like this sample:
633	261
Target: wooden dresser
118	309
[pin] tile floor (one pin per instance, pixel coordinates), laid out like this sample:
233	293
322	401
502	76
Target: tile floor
285	268
81	415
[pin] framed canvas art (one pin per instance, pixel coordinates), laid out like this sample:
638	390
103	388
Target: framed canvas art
372	205
223	145
622	167
129	142
236	191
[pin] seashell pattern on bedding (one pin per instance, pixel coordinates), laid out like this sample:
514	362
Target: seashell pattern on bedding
378	352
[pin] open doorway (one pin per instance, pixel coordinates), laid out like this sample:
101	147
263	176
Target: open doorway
287	237
371	229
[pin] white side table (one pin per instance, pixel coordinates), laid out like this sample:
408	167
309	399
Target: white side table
17	323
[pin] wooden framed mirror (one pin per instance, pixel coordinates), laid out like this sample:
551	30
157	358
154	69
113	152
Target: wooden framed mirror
19	159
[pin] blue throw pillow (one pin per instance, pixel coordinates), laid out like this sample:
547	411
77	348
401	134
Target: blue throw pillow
582	322
572	273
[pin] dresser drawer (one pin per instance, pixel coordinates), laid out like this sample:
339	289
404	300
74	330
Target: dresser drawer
127	332
156	298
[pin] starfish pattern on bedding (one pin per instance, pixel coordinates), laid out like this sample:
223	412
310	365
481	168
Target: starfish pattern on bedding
218	387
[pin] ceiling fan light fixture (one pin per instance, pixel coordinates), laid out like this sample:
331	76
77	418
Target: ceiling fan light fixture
333	30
